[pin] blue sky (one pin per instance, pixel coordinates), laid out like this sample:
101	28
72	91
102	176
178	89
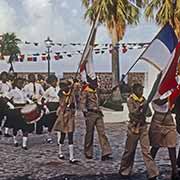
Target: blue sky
62	20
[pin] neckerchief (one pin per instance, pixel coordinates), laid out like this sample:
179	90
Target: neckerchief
141	99
66	96
90	90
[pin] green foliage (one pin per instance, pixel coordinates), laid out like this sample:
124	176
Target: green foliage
114	14
162	11
9	44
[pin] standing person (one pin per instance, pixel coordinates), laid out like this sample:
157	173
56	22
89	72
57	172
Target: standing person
5	87
162	132
94	118
65	123
34	91
176	111
41	81
137	131
52	101
19	99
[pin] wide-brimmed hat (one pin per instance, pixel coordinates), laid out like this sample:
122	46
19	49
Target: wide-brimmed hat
137	85
64	83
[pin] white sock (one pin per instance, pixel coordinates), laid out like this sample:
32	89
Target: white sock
58	137
71	152
24	143
6	130
49	135
60	148
14	139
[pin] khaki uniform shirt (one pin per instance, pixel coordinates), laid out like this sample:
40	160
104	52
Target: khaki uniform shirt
134	110
89	100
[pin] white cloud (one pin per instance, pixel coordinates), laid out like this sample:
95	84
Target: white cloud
62	20
64	4
42	21
7	17
74	12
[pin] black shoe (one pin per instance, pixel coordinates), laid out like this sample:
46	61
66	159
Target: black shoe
89	157
0	132
61	156
24	147
16	144
7	135
39	133
106	157
124	176
73	161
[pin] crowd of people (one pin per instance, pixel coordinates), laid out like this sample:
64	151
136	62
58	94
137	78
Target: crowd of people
32	104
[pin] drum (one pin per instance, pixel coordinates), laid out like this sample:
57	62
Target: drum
31	113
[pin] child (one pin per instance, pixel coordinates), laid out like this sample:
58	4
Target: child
5	87
66	118
52	101
94	119
19	99
162	132
137	120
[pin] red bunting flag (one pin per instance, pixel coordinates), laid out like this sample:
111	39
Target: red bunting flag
44	57
30	58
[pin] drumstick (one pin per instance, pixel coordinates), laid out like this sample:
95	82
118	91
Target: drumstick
51	112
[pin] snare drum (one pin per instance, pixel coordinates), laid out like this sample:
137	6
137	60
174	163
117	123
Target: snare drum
31	113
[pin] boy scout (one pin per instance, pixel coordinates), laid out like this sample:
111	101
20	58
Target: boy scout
94	118
137	131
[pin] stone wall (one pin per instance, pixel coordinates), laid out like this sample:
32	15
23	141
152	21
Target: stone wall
105	78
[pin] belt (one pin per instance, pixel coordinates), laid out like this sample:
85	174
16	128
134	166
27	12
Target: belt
162	113
94	110
98	111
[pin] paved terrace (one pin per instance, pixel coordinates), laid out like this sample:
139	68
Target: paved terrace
40	161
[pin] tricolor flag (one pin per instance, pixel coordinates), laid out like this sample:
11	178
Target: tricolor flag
163	53
86	64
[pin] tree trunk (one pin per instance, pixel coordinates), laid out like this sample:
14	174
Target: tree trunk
116	100
115	60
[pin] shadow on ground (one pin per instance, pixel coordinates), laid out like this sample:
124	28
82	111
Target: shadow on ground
86	177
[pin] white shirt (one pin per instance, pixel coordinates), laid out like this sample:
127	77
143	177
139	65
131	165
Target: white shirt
29	90
5	88
160	108
51	94
178	79
18	96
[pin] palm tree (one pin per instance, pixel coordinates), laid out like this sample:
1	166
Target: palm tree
9	44
165	11
115	15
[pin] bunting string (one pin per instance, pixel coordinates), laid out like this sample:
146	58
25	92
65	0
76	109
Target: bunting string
62	54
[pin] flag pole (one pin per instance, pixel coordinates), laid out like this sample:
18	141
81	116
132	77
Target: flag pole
82	57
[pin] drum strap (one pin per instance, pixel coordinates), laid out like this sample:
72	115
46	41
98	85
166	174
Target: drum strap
34	88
